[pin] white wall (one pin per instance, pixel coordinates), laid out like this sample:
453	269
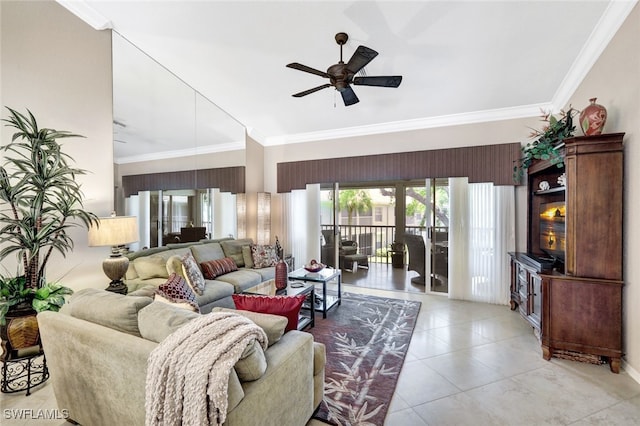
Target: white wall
60	68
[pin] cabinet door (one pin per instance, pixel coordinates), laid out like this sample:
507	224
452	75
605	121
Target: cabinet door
535	299
523	289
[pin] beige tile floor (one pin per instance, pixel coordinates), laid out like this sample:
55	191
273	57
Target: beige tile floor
468	364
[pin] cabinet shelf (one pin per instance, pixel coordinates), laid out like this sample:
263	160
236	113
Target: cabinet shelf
550	190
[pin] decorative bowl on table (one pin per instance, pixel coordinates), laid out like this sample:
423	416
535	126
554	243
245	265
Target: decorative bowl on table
314	266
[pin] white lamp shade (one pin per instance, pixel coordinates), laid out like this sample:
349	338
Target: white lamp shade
114	231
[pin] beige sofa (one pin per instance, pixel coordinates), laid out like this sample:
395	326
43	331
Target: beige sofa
152	267
97	349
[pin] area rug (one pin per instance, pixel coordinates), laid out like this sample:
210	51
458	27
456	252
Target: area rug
367	339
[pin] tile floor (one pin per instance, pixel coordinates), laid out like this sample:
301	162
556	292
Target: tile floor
468	364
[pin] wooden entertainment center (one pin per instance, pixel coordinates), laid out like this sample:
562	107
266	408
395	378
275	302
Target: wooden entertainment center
568	284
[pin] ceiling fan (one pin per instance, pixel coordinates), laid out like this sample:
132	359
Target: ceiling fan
342	76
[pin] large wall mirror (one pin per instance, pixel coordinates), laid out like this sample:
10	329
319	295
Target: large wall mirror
162	126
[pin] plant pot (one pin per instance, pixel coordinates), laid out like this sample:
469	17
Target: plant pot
20	330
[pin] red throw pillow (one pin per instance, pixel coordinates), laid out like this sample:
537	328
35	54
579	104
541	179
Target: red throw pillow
214	268
286	306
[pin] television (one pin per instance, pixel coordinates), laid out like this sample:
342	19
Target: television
552	229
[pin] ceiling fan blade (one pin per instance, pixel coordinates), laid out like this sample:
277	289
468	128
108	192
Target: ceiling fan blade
300	67
362	56
382	81
308	92
349	96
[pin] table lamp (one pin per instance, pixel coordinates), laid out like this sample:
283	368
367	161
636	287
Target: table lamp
115	231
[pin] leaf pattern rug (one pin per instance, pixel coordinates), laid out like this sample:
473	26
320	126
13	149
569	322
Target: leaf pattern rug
367	339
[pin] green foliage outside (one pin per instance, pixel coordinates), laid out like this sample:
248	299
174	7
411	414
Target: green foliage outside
354	200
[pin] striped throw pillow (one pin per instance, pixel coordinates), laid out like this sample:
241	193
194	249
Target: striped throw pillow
214	268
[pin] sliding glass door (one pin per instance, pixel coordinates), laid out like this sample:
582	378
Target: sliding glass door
427	214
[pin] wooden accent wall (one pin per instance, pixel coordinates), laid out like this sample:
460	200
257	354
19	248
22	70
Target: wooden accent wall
227	179
485	163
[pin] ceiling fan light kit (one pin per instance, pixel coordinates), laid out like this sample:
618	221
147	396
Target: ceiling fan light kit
342	76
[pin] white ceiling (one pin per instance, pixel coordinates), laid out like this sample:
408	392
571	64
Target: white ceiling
461	61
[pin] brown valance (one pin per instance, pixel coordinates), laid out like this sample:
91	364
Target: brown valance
227	179
485	163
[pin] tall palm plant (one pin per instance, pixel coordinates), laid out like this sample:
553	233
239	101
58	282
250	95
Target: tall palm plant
41	199
354	200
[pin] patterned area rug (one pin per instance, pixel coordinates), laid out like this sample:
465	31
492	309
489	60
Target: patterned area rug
367	339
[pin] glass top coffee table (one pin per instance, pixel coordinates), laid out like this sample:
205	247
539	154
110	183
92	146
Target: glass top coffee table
323	277
307	317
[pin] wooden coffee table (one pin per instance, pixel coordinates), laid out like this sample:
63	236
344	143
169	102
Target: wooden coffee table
307	317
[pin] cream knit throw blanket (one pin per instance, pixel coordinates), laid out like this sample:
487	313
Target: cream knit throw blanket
188	372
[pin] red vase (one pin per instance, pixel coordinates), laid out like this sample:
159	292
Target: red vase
592	118
281	275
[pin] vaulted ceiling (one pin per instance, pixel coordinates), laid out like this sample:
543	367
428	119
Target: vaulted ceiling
461	61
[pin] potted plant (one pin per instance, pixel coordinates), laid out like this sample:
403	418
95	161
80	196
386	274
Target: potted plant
547	141
40	201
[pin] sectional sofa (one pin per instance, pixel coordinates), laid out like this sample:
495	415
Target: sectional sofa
99	344
152	267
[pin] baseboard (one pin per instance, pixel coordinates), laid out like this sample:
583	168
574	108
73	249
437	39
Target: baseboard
632	372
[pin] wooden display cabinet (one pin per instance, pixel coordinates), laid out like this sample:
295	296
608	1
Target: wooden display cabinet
568	284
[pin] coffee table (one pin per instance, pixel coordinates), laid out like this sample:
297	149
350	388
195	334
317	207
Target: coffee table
323	277
307	317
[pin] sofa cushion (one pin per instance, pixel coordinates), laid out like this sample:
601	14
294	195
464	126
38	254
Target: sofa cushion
266	273
178	293
154	266
233	249
214	290
215	268
252	363
246	256
192	273
263	256
108	309
286	306
147	291
204	252
242	279
273	325
158	320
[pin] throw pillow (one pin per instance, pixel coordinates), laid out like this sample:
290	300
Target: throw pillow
246	255
176	292
233	249
263	256
286	306
154	266
214	268
174	264
108	309
192	273
252	363
273	325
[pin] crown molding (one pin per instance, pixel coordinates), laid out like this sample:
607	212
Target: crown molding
88	14
171	155
510	113
610	22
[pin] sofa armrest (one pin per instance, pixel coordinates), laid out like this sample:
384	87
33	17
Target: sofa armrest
289	377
